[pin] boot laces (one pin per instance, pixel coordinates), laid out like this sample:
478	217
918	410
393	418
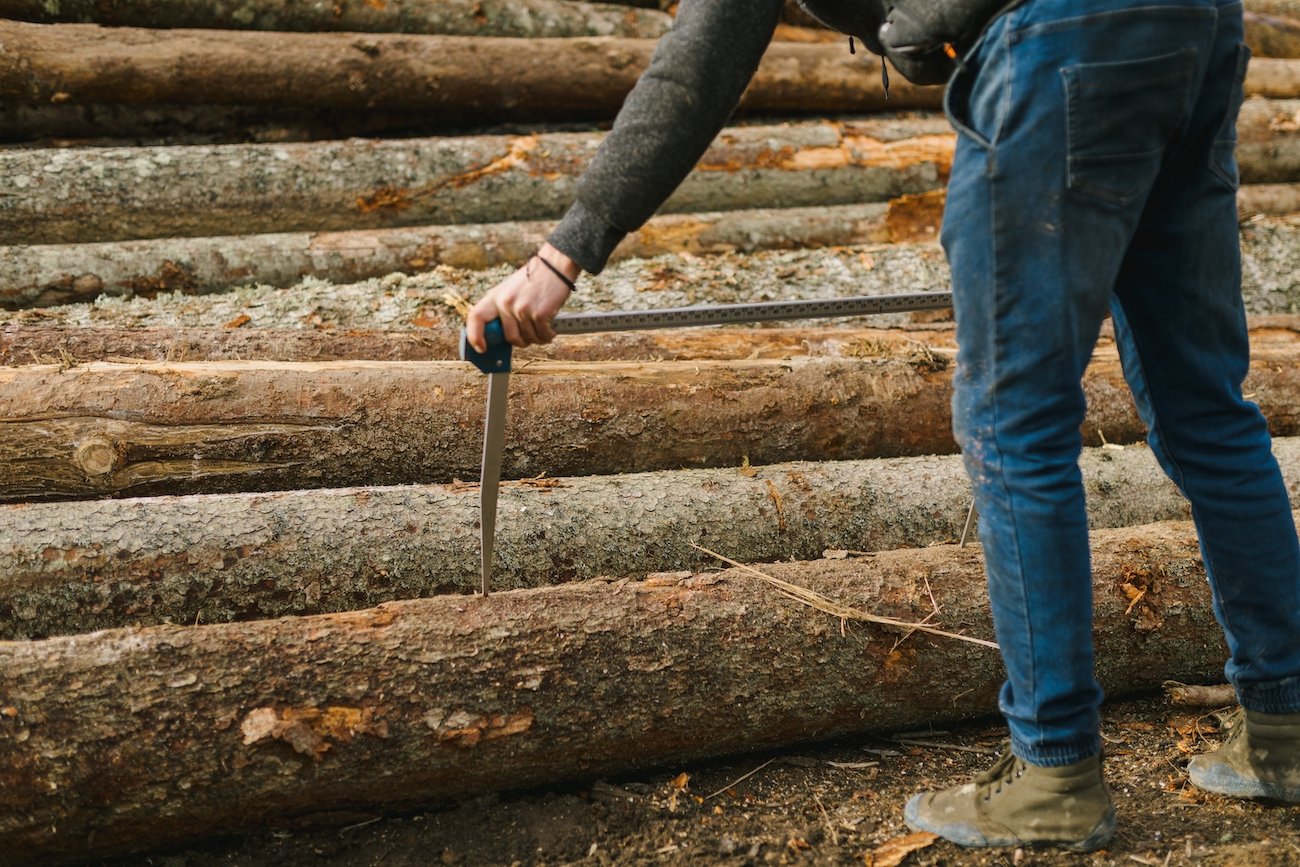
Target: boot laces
1233	725
1004	773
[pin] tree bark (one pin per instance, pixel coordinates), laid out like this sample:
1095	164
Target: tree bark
1194	695
1268	78
440	341
1272	35
41	275
519	18
79	567
1268	199
126	739
480	78
144	428
65	125
102	194
1270	285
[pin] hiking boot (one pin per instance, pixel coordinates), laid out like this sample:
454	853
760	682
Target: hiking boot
1259	759
1015	803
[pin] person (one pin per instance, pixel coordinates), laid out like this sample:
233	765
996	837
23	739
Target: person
1094	173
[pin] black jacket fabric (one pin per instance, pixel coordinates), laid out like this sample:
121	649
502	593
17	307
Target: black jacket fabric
698	72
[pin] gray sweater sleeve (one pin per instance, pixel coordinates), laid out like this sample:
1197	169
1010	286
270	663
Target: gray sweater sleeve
696	77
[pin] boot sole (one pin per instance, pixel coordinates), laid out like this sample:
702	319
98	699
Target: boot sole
966	836
1225	781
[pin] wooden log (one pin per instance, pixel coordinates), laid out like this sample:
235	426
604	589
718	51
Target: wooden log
1271	258
38	344
1197	695
78	567
1272	199
99	194
107	428
41	275
1272	35
100	124
1269	78
65	125
520	18
465	77
34	344
126	739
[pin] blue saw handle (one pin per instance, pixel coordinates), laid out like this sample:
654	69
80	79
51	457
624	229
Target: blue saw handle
498	355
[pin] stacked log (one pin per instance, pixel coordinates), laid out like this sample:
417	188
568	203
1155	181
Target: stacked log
83	566
97	194
476	78
398	303
436	699
518	18
148	428
236	546
61	273
41	275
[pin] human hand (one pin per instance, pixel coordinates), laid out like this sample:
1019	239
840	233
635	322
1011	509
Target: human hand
526	301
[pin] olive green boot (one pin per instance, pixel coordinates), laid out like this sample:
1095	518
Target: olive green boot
1015	803
1259	759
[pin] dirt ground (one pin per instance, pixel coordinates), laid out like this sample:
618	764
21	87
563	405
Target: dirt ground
836	803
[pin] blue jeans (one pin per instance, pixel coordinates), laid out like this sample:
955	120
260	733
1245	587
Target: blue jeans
1094	171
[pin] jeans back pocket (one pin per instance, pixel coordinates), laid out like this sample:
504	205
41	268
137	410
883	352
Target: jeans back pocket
1120	117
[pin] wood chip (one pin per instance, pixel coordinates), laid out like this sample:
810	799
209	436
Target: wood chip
892	852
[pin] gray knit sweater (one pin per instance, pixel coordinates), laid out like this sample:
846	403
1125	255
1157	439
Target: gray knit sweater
696	77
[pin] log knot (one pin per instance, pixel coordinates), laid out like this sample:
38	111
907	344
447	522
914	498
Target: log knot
97	456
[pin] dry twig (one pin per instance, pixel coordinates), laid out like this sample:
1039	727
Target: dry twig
814	599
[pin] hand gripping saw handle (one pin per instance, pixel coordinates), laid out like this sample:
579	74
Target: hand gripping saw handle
496	362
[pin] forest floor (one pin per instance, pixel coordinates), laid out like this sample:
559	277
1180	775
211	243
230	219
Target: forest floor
830	803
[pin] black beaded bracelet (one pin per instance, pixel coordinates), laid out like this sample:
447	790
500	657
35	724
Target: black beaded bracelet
573	287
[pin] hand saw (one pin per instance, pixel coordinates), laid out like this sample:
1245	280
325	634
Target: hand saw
496	363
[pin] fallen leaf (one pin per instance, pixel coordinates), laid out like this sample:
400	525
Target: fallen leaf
891	853
746	470
681	781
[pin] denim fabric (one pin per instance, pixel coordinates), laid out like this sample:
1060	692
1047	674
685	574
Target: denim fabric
1094	172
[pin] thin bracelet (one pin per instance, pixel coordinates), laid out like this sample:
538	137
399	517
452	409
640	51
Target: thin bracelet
573	287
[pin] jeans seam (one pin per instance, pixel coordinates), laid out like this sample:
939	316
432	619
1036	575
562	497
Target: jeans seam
991	158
